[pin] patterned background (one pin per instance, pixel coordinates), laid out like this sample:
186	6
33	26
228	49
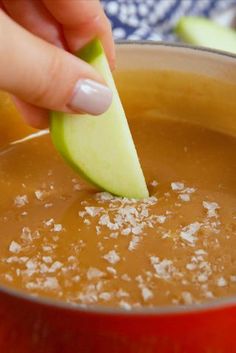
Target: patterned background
154	19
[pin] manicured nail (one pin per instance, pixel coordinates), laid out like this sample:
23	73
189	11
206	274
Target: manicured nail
90	97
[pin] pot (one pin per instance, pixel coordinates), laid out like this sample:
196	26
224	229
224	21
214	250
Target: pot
180	83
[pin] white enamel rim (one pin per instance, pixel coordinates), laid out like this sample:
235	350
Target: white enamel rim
219	62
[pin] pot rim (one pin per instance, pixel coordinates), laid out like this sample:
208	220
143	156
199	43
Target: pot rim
217	304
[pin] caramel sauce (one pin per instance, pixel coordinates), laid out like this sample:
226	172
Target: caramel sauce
61	238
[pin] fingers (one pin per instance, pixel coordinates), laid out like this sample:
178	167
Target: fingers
82	21
32	115
34	16
46	76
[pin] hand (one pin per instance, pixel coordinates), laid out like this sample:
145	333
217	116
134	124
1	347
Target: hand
36	65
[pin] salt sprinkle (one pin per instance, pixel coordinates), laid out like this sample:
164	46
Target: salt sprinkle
112	257
189	231
184	197
47	205
221	282
94	273
8	277
124	305
111	270
154	183
211	208
15	247
47	259
21	200
147	294
51	283
55	266
105	296
57	228
39	194
177	186
161	219
187	297
126	277
233	278
48	222
164	268
133	243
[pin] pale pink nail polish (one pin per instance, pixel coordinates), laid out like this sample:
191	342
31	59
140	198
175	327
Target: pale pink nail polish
90	97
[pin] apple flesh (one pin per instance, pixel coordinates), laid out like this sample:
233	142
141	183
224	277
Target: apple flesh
100	148
204	32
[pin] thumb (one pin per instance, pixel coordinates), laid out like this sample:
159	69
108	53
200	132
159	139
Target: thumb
46	76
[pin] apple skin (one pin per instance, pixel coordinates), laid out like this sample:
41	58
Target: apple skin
100	149
205	32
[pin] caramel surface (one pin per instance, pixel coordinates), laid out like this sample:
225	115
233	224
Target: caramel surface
63	239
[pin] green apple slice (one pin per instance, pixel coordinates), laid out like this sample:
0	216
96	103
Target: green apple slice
204	32
100	148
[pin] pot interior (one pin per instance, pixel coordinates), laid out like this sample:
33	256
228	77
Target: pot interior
164	82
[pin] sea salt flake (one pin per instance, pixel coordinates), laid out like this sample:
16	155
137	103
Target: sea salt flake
137	229
55	266
21	200
76	187
57	228
15	247
31	267
233	278
114	235
112	257
126	277
76	278
124	305
189	231
126	231
94	273
211	208
221	282
39	194
94	211
147	294
161	219
111	270
51	283
26	234
47	248
47	259
87	221
191	267
187	297
154	183
8	277
133	243
106	296
164	268
184	197
47	205
104	196
49	222
177	186
189	190
122	293
203	277
200	252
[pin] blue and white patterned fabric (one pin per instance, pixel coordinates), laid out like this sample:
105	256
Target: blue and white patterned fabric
155	19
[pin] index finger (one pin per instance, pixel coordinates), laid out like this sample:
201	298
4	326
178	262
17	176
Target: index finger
82	20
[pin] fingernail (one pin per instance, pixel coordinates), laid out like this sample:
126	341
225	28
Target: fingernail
90	97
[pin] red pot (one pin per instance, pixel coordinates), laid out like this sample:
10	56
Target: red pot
32	325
